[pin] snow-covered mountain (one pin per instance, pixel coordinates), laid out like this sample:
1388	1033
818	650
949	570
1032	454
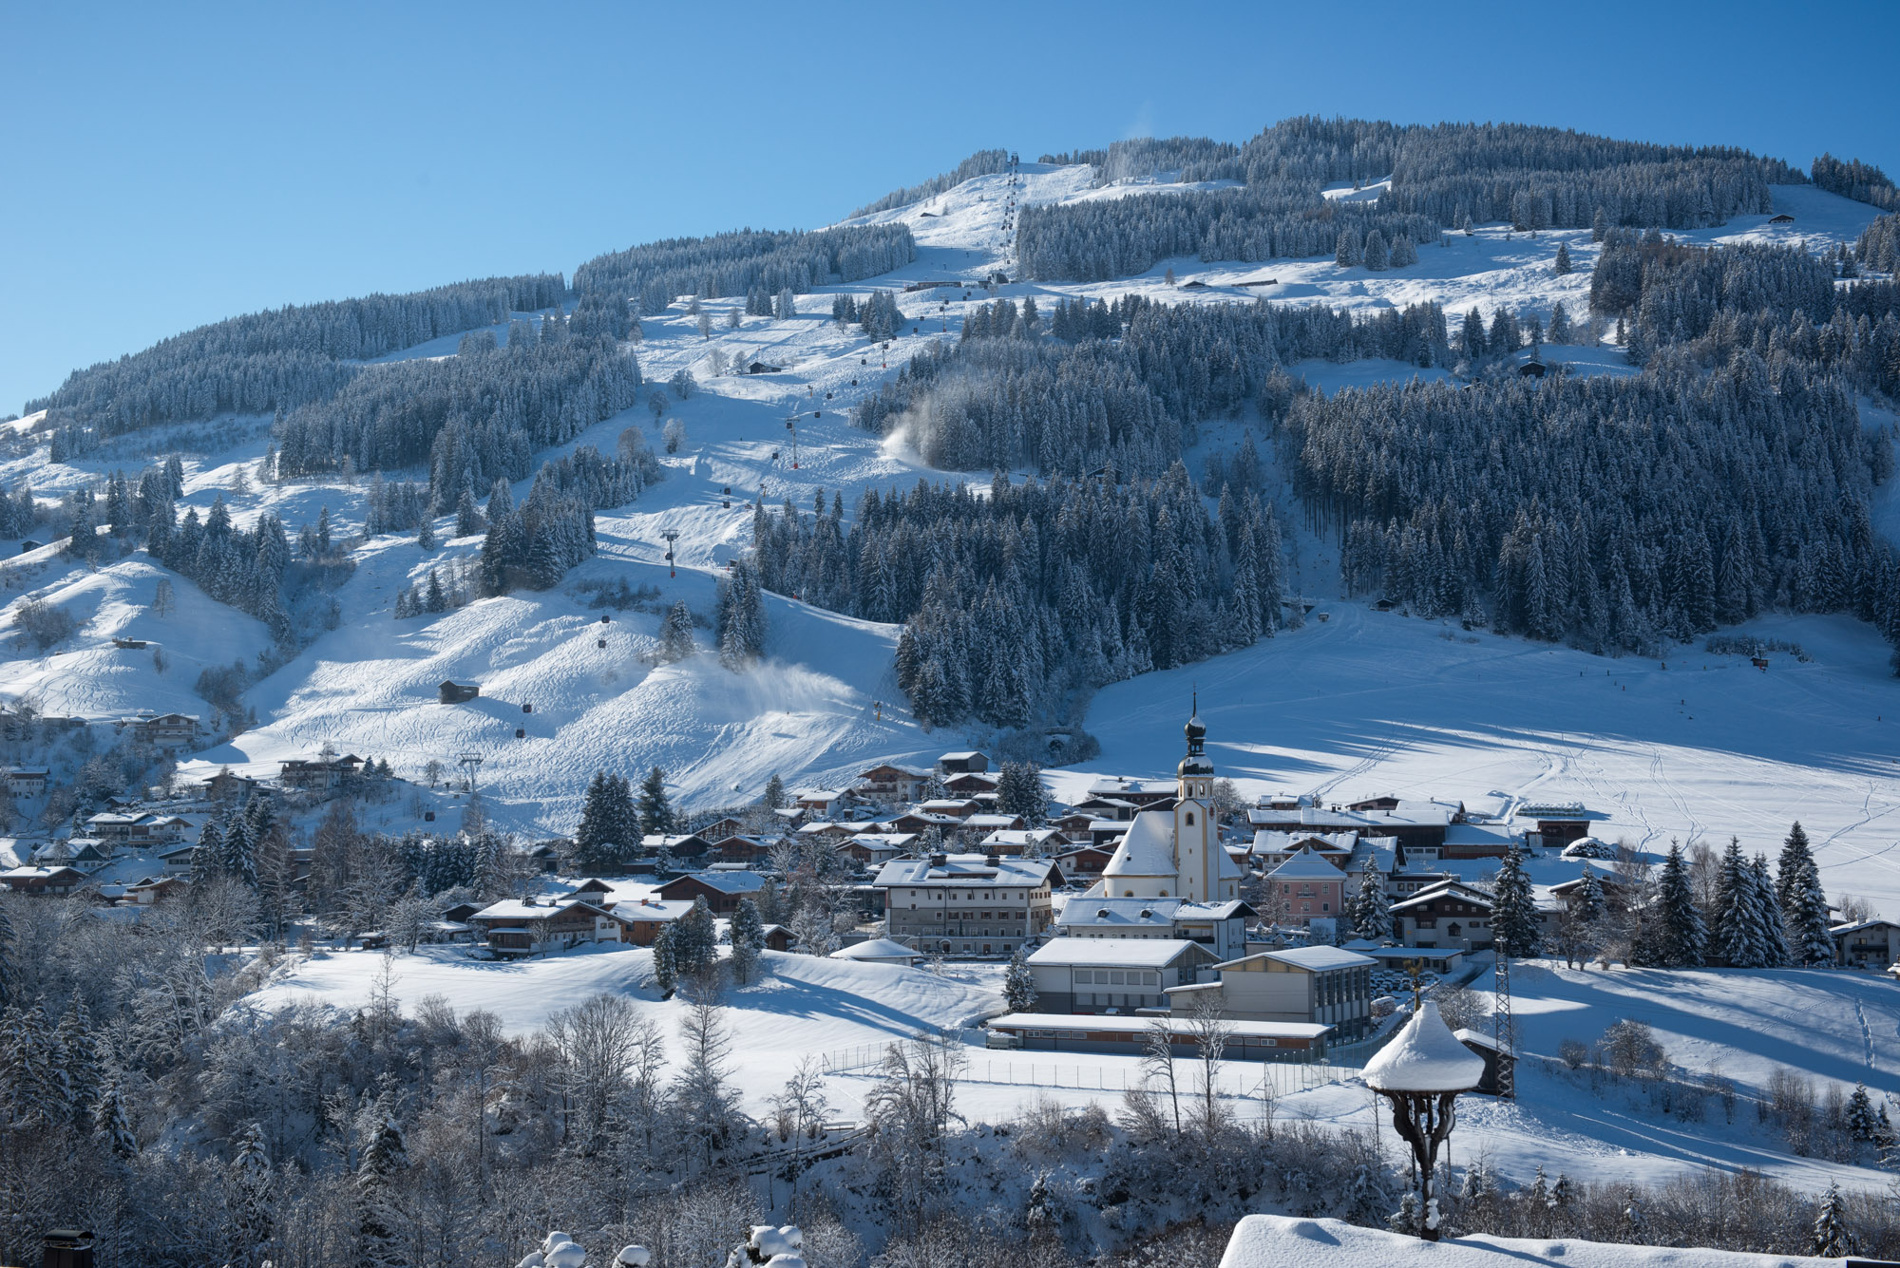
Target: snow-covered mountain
1362	702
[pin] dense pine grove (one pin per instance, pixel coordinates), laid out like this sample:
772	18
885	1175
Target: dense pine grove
281	358
745	260
1117	384
1443	176
474	417
1609	512
1854	179
1020	601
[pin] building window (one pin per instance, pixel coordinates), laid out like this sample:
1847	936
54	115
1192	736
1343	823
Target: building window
1190	819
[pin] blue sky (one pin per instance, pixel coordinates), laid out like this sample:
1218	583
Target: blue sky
165	166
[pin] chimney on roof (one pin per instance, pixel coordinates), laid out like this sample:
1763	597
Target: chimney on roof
991	858
938	860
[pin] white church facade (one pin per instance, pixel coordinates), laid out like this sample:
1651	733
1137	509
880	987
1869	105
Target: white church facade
1176	853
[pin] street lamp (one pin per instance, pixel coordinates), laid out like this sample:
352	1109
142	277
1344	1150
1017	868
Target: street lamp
1421	1072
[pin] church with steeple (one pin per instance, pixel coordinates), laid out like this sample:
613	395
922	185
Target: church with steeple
1176	853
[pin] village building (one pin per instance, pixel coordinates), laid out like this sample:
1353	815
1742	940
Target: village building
522	927
1141	794
1097	975
919	821
681	845
1246	1040
721	890
1085	862
1307	888
1327	986
1866	944
26	781
1220	927
152	889
984	823
821	801
1409	823
319	774
57	879
959	763
137	831
1495	1058
1449	915
740	849
968	904
1016	841
1555	825
1271	848
1177	852
641	920
889	782
225	786
163	729
874	849
719	829
178	859
970	783
87	854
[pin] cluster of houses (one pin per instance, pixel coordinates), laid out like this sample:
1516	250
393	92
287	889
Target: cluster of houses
1127	905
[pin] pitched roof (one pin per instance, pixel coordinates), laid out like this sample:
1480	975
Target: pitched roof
1307	865
1152	953
724	882
1146	849
966	869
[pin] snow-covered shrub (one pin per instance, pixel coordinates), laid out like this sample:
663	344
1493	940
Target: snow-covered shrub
44	623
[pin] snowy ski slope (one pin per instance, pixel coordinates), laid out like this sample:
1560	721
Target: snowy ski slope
1363	703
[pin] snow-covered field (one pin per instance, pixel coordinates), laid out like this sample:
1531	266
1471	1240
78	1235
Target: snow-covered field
1835	1028
801	1005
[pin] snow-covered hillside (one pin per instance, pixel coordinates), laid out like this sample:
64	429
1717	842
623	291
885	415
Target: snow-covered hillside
1361	704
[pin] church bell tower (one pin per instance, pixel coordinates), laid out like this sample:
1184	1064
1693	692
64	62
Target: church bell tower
1195	836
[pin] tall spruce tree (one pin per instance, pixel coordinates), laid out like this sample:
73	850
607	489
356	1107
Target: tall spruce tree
656	808
1773	935
1683	936
1019	984
1371	910
1514	923
1738	931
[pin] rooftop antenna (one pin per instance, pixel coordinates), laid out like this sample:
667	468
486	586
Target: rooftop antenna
472	763
671	535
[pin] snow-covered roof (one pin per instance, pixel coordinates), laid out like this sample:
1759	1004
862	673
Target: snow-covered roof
1146	849
1103	913
1307	865
1468	1036
1858	925
963	870
1281	1241
514	909
1445	889
661	909
1319	958
1269	841
1147	953
877	949
724	882
1424	1057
